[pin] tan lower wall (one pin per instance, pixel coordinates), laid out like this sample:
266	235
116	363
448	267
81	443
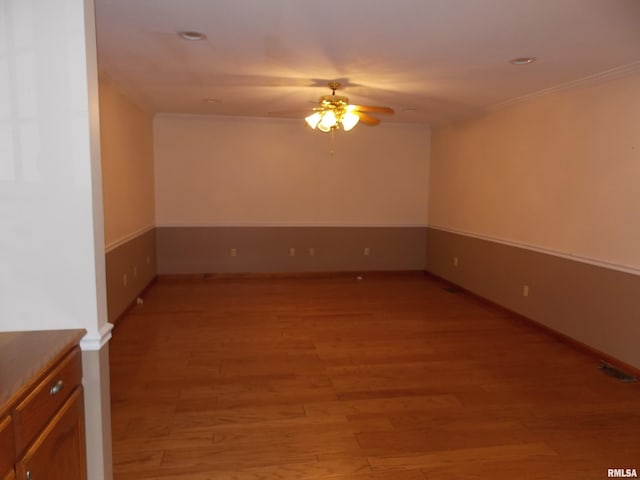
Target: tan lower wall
135	259
192	250
594	305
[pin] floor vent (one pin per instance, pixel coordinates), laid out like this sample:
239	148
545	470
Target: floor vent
617	373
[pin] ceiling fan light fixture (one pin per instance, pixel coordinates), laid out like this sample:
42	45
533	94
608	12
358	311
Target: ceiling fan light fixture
322	128
313	120
328	121
334	111
349	120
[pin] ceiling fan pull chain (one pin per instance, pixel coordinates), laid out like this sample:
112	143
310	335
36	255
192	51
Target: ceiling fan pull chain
331	152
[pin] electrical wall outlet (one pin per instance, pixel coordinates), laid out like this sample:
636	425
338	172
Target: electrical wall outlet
312	252
292	252
367	251
455	261
525	290
234	252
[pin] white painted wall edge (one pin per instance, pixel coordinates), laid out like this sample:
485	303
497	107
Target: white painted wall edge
95	342
555	253
127	238
294	224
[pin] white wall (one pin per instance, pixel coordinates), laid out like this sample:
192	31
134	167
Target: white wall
217	171
560	172
51	245
52	273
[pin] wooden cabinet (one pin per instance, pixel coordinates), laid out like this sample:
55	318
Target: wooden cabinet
58	452
7	449
42	413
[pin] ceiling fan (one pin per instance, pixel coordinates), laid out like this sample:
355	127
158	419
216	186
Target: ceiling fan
334	111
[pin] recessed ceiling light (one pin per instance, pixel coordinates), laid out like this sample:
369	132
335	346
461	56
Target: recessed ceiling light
192	36
522	60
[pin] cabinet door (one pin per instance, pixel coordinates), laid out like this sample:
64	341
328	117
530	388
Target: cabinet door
58	453
7	449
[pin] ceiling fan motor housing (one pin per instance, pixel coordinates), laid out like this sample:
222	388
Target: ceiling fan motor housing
333	101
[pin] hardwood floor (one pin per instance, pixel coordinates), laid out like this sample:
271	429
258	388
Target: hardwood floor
387	378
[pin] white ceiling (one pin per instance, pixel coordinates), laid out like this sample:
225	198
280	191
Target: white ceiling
430	60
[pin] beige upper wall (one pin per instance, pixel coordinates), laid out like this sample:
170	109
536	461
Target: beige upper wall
239	171
127	166
559	172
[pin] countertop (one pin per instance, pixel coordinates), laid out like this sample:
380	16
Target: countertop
26	356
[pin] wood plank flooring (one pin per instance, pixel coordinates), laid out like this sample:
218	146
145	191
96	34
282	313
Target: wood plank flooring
385	378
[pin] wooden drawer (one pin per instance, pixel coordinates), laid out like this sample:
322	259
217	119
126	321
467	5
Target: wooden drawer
43	402
58	452
7	450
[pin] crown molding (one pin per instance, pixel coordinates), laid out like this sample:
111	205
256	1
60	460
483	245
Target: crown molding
617	72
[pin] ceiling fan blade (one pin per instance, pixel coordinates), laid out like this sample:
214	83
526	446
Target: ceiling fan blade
367	119
370	108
